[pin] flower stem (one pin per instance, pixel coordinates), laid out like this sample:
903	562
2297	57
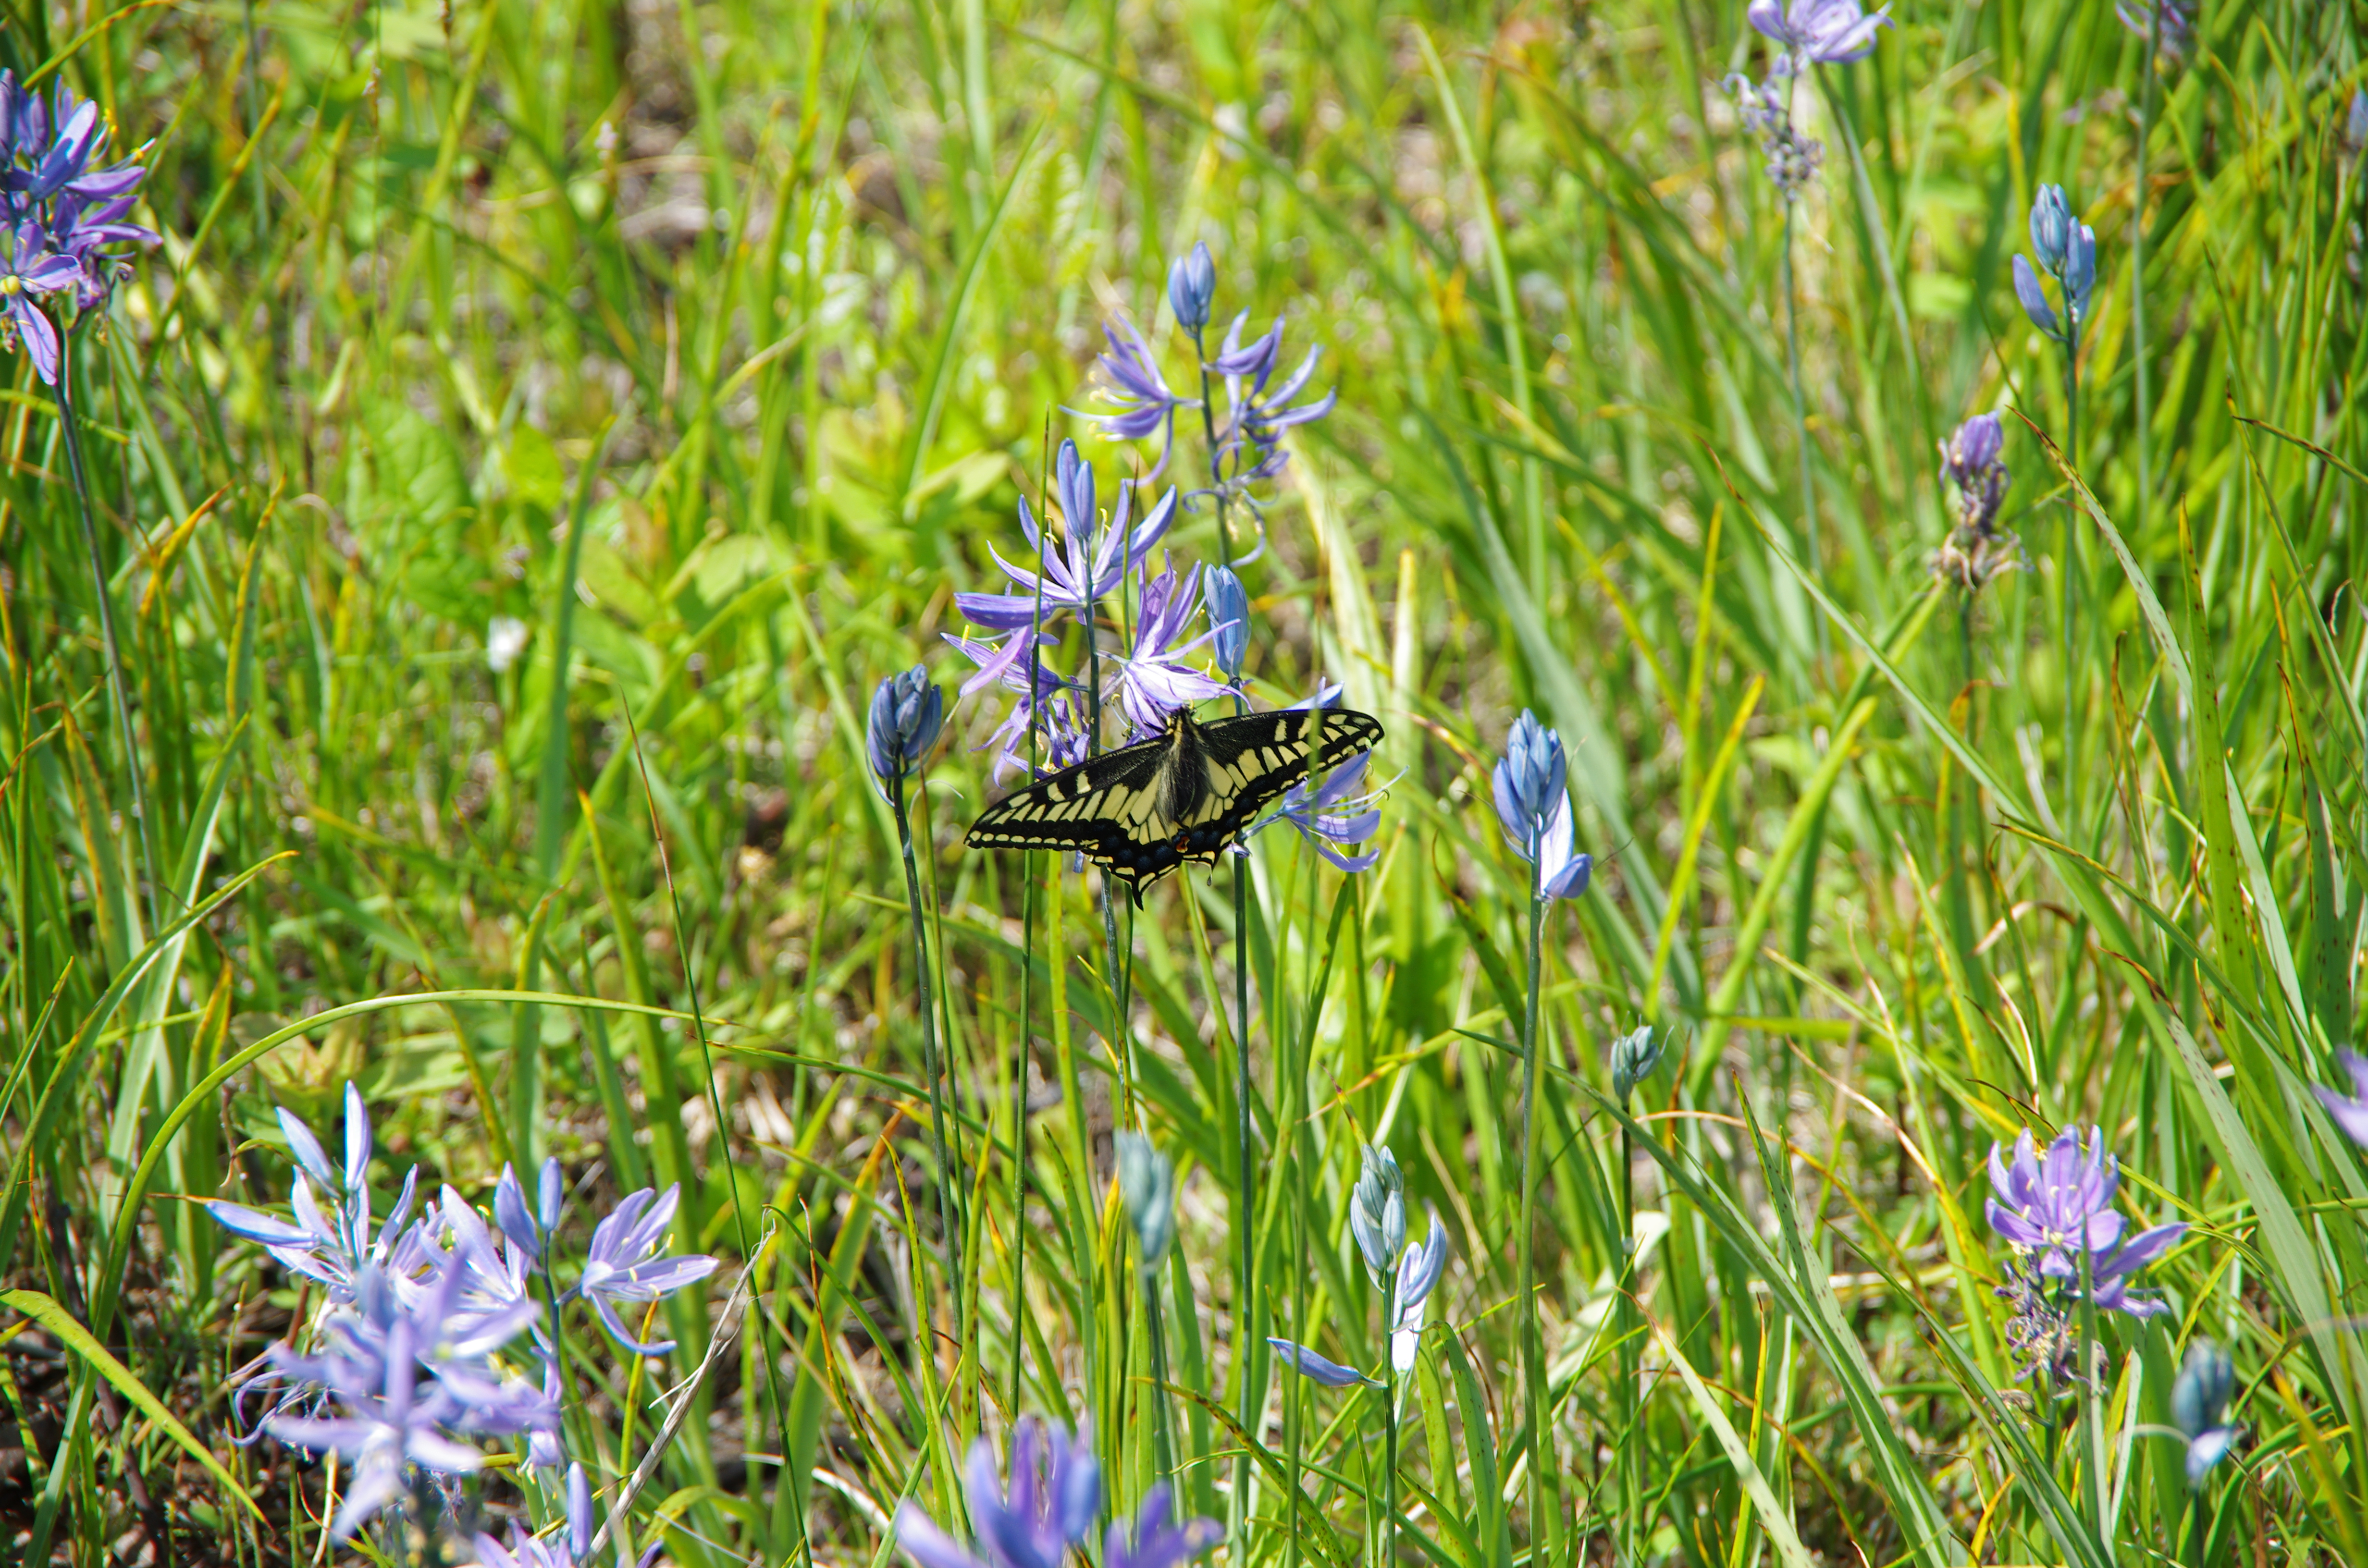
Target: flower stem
1248	1331
947	1205
2092	1401
2067	588
1389	1537
1533	1368
1801	419
1632	1490
1162	1436
117	698
2137	275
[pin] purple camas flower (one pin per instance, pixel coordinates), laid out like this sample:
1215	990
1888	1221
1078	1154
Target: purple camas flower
1158	1542
1153	681
29	271
1086	566
1533	807
2054	1207
61	214
327	1245
625	1263
1049	1507
1822	32
1037	689
2351	1114
1128	376
1333	816
1258	408
389	1425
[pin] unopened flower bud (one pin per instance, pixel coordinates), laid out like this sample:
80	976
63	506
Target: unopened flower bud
1147	1179
1634	1057
1191	284
908	710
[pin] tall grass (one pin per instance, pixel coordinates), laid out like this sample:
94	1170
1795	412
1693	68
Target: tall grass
713	342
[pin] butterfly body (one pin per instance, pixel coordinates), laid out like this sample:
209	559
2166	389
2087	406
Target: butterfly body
1184	794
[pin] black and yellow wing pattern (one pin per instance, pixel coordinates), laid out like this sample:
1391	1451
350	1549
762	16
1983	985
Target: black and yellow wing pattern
1184	794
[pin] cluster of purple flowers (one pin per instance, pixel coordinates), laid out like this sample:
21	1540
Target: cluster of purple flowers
2171	23
1808	33
1055	1497
415	1351
1976	548
61	211
1074	570
2055	1209
1245	446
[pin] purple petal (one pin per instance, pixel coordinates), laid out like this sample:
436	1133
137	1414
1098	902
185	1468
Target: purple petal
617	1331
1315	1368
257	1226
2351	1115
306	1150
919	1537
2143	1248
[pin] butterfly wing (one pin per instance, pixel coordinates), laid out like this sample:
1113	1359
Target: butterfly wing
1140	812
1110	809
1254	759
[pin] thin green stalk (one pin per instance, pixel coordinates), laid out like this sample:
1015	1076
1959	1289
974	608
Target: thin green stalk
2138	276
1534	1367
1163	1434
151	864
938	1142
1811	554
1250	1396
1389	1540
2069	603
1631	1489
2093	1393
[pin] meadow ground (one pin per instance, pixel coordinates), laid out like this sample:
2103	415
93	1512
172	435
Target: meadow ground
445	590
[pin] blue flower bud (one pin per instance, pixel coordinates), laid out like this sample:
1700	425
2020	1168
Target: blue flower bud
908	710
2201	1391
1529	780
1229	616
1377	1212
1147	1179
1074	479
2051	227
2355	124
2198	1397
1969	454
2035	297
2080	271
1191	284
1634	1056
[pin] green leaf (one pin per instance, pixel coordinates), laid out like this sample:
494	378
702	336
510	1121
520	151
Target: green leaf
76	1338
